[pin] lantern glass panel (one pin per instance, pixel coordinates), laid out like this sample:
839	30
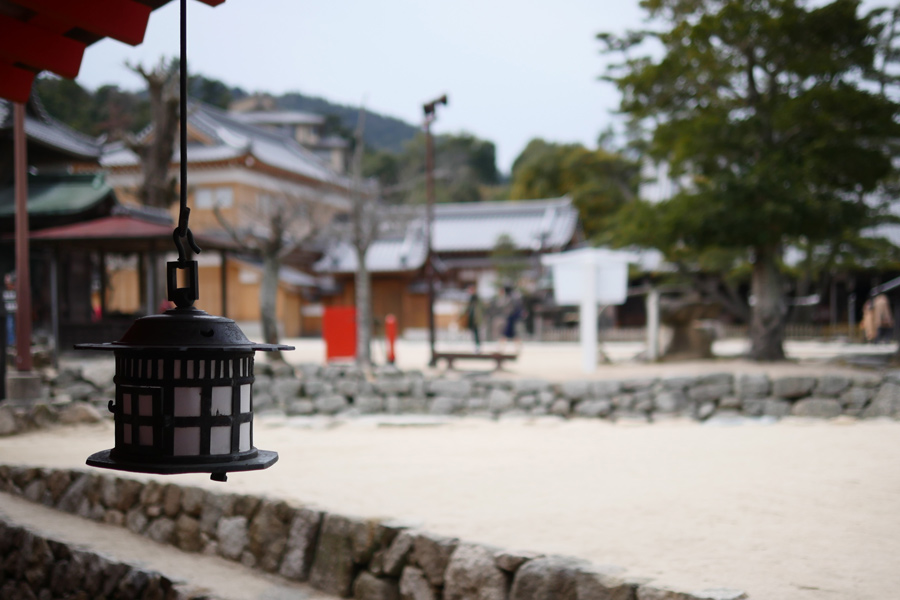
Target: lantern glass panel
244	443
221	401
145	405
187	402
145	435
245	398
186	441
126	433
220	440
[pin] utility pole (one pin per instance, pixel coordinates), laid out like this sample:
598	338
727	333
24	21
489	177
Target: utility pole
430	115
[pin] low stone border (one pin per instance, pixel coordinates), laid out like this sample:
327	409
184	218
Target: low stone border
334	390
345	556
33	566
348	391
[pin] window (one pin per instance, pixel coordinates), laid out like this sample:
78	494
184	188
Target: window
208	198
224	197
204	198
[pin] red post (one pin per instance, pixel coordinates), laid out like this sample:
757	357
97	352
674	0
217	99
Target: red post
390	331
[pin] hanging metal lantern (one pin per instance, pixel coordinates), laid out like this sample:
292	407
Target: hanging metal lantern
184	378
184	392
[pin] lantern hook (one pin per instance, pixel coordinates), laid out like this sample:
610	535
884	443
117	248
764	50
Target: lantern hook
177	235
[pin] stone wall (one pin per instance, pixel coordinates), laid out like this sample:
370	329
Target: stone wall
33	567
348	391
334	390
341	555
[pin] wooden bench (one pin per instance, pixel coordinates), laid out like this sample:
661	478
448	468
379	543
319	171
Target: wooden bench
498	357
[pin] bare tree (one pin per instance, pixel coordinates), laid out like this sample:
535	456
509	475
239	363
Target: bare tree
155	150
269	231
364	217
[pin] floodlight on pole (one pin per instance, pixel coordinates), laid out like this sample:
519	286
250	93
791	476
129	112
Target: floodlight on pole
430	110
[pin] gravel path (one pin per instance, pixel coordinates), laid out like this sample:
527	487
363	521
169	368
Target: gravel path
792	511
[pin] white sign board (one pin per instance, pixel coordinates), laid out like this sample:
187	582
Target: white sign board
587	278
610	275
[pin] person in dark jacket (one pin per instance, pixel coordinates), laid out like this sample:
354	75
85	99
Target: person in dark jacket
474	316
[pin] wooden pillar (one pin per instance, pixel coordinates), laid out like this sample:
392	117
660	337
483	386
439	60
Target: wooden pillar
54	303
104	283
223	274
23	274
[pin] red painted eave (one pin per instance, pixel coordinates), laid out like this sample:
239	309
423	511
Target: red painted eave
38	35
118	228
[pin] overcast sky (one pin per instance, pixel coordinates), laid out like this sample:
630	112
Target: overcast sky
513	69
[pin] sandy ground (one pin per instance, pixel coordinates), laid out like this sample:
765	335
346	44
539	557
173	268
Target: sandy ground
562	360
791	511
223	578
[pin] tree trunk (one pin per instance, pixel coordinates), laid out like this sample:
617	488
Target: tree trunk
690	340
363	312
268	295
769	311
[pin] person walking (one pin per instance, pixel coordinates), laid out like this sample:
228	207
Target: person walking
515	311
867	324
884	320
474	315
9	302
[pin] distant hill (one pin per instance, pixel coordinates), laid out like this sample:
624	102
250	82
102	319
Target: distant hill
382	133
110	108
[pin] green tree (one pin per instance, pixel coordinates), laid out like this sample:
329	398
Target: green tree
66	100
598	181
464	165
210	91
769	116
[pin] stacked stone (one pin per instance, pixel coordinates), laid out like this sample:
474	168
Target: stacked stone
35	567
345	556
346	391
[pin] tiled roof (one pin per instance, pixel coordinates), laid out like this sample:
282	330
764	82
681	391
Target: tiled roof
231	137
531	224
280	117
42	128
462	228
58	195
384	256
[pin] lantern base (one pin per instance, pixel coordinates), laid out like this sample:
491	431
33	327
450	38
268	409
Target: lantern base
263	460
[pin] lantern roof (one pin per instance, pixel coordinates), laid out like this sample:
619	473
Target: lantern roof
184	329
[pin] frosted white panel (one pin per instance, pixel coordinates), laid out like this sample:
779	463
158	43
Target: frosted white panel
221	401
187	402
145	405
220	440
186	441
145	435
190	369
177	368
244	442
245	398
126	405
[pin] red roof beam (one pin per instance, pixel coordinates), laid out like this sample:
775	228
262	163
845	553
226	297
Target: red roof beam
123	20
15	83
39	49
